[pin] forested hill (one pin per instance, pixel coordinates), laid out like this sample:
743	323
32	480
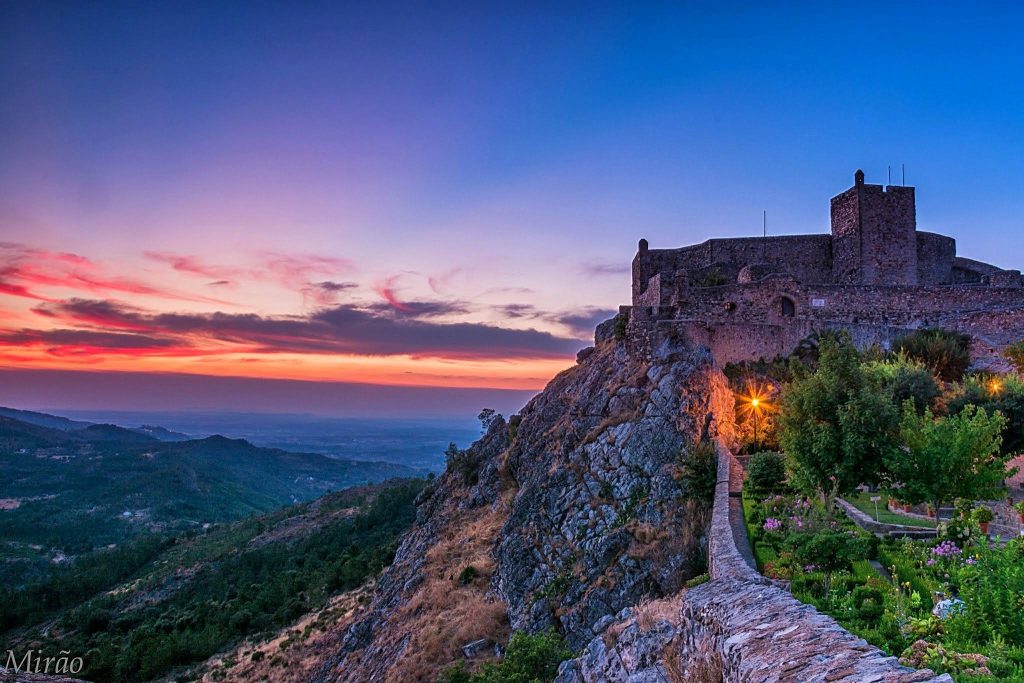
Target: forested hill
156	608
72	490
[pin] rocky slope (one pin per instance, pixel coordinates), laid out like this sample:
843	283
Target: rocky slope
568	513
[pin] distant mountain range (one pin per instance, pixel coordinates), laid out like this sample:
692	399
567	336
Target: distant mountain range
67	425
72	487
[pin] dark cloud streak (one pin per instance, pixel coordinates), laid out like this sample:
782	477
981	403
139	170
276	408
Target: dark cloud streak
342	329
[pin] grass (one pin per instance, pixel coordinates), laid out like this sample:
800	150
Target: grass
862	501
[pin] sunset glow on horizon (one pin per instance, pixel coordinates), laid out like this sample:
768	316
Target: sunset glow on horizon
182	314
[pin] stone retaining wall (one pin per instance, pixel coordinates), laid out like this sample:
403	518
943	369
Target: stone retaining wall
866	522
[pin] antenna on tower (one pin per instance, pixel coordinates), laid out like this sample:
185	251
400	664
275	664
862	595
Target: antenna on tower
890	174
764	223
903	168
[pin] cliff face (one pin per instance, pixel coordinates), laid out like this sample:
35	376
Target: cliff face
569	513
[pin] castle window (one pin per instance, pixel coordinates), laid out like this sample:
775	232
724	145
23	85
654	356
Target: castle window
787	307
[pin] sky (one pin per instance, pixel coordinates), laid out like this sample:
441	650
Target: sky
444	196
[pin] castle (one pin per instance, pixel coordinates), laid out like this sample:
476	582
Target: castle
875	275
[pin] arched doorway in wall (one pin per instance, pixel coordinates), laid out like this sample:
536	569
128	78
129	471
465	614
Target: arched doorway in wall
787	307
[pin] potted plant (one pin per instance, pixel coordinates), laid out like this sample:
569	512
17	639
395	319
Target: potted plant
983	515
1019	507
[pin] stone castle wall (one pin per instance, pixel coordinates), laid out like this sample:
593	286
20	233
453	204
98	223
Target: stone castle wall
747	322
875	275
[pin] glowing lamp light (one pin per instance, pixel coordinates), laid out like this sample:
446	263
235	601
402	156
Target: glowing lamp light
751	404
995	386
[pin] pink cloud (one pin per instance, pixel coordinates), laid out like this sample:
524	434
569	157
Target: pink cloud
192	265
28	268
387	291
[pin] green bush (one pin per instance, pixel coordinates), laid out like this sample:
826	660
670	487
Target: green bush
513	427
982	514
528	659
700	472
467	575
1005	394
829	550
904	569
713	278
836	424
994	589
463	463
1015	354
698	580
947	353
766	472
621	326
456	673
869	603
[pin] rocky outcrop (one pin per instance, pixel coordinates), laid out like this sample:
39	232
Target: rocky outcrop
601	520
570	512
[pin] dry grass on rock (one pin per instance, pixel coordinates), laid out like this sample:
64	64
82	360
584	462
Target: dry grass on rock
443	615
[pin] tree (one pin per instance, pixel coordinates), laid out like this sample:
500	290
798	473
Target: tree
995	393
1015	354
700	472
836	424
947	353
906	379
486	417
950	457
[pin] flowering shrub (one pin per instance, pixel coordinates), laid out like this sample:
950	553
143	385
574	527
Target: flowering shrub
946	549
772	524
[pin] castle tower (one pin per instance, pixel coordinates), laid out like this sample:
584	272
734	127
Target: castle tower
874	235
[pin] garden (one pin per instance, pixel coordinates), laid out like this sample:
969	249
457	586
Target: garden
916	427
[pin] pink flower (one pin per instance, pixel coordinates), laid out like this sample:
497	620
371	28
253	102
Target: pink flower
772	524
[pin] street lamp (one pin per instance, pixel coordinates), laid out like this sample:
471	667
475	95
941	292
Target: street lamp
755	404
751	403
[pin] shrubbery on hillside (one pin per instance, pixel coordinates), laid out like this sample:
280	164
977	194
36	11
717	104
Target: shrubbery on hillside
528	659
241	584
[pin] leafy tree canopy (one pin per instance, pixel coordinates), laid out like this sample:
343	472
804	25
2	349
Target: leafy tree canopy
905	378
1004	394
950	457
836	424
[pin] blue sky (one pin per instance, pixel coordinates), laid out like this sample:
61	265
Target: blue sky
500	155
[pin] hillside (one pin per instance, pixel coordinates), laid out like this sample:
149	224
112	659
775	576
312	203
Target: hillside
593	499
152	607
68	492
